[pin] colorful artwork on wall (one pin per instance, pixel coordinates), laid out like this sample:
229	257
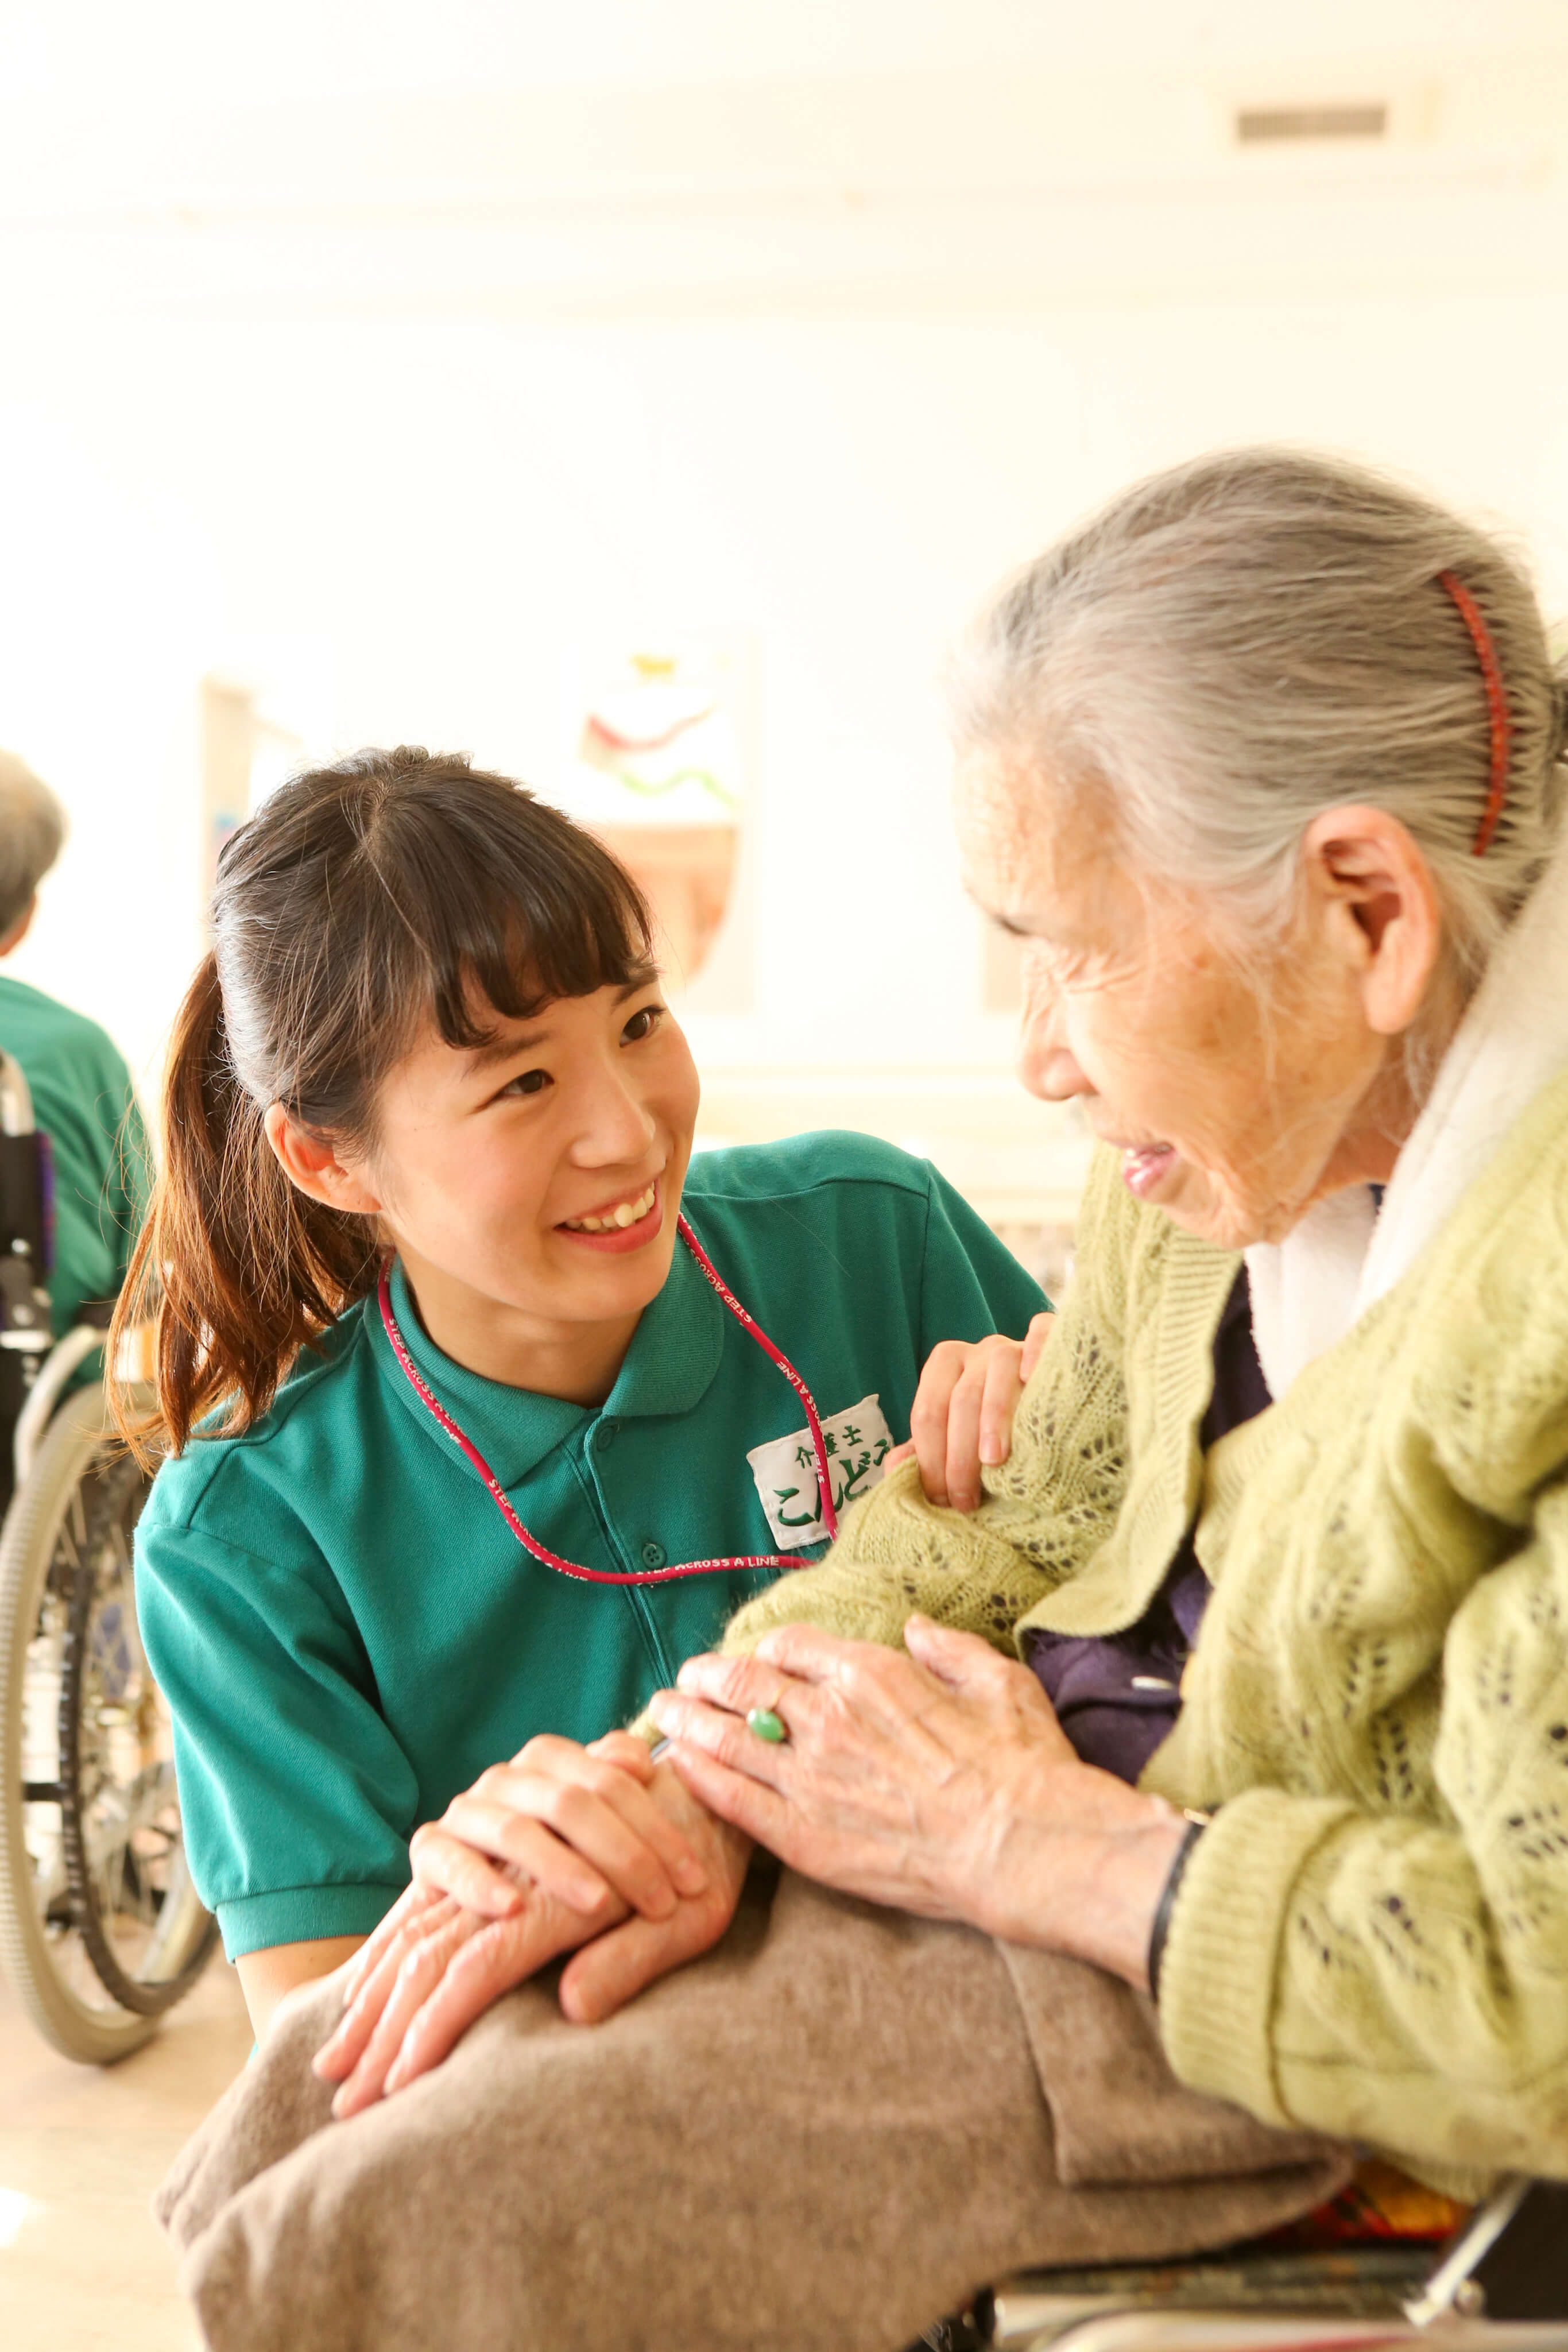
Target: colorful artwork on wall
658	766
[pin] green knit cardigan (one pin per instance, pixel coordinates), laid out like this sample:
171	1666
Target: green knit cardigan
1372	1940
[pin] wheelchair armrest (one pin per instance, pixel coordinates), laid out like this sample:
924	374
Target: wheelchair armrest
1197	2331
1352	2285
55	1374
1510	2262
1501	2286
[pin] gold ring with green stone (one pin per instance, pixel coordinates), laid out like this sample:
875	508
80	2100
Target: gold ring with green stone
766	1724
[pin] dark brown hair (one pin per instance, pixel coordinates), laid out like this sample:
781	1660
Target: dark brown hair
365	899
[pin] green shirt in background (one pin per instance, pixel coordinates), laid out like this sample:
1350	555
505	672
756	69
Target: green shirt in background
84	1102
347	1632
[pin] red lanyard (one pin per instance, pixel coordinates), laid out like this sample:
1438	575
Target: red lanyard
625	1576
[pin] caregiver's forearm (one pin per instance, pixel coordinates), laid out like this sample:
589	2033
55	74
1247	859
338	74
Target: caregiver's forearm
268	1977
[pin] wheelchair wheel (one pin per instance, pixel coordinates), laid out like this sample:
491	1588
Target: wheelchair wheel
100	1927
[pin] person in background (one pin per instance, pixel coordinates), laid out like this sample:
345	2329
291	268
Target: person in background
82	1095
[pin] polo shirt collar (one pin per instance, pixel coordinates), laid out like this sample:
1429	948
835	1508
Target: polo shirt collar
669	1368
675	1348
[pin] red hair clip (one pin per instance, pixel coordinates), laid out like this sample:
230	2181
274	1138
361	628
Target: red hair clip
1496	709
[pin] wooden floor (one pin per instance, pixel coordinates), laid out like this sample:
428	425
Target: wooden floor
83	2266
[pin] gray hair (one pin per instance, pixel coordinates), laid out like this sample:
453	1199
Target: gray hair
1237	645
32	833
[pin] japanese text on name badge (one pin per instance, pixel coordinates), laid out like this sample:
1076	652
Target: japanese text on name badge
857	1441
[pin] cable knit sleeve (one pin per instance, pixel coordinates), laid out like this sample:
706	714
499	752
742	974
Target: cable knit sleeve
1398	1979
1046	1511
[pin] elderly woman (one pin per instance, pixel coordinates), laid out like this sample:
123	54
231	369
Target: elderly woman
1244	1686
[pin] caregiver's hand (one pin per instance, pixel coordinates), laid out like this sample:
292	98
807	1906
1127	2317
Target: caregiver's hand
938	1783
962	1416
439	1959
576	1821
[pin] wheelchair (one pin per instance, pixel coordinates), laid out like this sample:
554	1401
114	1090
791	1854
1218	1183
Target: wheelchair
101	1929
1500	2285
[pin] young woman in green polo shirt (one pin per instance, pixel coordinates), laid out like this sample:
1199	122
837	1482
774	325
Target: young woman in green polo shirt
471	1439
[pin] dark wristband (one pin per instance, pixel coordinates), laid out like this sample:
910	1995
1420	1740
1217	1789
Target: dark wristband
1196	1825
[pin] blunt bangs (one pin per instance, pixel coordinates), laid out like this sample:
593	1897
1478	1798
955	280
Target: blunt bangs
396	888
505	900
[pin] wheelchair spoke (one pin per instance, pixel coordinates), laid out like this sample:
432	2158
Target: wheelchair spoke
131	1904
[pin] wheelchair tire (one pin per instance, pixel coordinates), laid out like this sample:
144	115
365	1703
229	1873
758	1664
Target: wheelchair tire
66	1536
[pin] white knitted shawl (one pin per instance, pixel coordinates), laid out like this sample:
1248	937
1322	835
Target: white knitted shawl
1309	1290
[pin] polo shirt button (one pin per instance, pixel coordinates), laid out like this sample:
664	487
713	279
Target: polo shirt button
607	1433
652	1555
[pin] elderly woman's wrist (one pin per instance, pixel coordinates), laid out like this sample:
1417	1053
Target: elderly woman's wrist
1092	1890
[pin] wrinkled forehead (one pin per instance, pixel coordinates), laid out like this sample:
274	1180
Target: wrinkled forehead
1036	850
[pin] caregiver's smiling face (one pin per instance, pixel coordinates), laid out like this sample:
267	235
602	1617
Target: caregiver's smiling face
1235	1108
542	1172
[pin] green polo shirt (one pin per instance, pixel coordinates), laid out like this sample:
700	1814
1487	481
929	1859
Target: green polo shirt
348	1633
83	1100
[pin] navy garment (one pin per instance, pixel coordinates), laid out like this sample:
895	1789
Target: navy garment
1118	1694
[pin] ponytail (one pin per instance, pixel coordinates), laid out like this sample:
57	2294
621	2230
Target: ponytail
392	891
236	1268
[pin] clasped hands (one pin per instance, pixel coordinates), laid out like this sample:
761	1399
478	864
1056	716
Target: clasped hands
596	1852
936	1779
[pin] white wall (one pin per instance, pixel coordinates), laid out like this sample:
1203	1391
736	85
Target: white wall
415	489
447	504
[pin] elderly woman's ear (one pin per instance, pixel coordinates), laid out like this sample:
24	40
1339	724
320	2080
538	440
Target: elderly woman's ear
1371	898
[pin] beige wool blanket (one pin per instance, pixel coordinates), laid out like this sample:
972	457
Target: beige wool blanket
833	2129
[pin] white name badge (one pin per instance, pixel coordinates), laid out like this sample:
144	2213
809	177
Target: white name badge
857	1442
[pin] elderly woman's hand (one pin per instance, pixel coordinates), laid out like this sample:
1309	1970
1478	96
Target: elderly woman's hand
468	1931
939	1782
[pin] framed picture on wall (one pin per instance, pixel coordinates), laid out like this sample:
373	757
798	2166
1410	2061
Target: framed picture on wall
661	763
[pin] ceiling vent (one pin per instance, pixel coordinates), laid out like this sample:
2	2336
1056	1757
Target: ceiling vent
1279	126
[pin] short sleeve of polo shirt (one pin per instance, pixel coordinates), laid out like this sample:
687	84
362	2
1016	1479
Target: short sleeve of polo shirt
290	1753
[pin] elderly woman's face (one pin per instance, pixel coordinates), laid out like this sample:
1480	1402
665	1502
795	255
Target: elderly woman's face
1234	1106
